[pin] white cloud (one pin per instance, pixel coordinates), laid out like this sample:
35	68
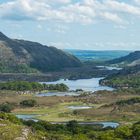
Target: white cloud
122	7
112	17
84	12
58	28
95	45
137	1
58	1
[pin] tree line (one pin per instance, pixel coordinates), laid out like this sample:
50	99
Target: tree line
31	86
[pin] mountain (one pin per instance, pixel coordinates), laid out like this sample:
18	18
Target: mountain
129	60
128	77
20	56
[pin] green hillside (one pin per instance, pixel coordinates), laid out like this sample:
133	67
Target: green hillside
20	56
129	77
129	60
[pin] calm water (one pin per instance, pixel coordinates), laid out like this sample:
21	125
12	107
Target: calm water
109	68
27	117
105	124
84	84
79	107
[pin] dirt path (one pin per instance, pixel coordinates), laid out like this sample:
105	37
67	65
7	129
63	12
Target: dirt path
24	135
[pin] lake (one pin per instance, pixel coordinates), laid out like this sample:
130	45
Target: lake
84	84
27	117
79	107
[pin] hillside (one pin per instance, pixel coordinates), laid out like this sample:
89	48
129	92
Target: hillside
128	77
20	56
130	60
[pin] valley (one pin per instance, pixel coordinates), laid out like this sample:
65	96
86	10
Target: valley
42	97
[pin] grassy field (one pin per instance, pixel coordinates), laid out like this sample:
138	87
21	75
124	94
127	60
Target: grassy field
56	109
10	131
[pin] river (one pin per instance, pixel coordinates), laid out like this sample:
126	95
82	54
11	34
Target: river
105	124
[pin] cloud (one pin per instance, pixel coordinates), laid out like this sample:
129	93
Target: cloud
123	7
58	28
83	12
58	1
137	1
99	45
112	17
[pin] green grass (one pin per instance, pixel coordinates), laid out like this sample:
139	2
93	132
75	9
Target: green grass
56	113
9	131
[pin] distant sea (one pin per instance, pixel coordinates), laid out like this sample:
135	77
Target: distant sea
86	55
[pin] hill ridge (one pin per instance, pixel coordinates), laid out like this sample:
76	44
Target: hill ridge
23	54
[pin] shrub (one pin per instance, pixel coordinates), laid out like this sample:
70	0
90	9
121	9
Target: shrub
10	117
28	103
6	107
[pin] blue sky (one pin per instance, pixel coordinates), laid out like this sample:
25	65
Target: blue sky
74	24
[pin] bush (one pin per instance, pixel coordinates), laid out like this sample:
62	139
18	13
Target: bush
28	103
6	107
10	117
136	130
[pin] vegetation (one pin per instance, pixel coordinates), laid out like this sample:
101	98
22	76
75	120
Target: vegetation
20	56
128	77
59	87
123	81
6	107
28	103
128	102
31	86
131	59
71	131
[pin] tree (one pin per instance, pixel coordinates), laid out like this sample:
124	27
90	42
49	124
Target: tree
136	131
28	103
6	107
123	132
73	127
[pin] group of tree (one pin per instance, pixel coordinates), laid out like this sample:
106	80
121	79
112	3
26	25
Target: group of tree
73	131
28	103
31	86
6	107
129	101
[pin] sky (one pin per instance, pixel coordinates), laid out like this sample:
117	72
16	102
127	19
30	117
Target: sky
74	24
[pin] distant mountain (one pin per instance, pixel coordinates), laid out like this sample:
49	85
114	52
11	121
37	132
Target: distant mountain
20	56
130	60
97	56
